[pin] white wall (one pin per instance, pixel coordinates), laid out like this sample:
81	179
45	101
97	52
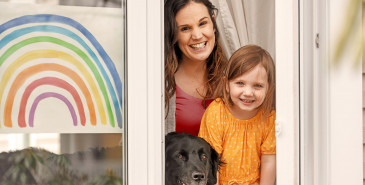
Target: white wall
345	97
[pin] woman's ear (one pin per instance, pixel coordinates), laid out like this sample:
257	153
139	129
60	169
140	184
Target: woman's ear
213	17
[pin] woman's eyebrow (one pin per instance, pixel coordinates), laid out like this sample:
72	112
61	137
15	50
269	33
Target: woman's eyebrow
183	25
203	18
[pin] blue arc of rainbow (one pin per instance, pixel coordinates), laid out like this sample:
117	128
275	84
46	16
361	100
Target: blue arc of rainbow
47	18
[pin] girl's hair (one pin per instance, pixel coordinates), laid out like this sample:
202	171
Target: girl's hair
243	60
173	54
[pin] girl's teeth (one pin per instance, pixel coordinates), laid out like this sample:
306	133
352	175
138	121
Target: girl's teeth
198	45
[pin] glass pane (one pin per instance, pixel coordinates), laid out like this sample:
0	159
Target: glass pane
62	115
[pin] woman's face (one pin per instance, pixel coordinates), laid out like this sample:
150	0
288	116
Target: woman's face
195	36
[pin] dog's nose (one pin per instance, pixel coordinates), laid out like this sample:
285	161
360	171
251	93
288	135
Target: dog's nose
198	176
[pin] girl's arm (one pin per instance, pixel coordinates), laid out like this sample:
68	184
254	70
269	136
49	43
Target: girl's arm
217	179
268	169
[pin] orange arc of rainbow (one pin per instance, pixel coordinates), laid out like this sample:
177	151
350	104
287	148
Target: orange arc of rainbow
29	56
25	74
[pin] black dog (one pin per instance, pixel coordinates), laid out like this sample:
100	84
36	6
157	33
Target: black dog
190	160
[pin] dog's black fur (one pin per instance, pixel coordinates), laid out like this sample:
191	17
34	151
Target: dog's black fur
190	160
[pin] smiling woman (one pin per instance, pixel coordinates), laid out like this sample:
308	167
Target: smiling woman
194	62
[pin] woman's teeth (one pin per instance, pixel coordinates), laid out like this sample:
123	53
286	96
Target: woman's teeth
198	46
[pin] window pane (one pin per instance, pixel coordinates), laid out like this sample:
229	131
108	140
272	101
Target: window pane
62	118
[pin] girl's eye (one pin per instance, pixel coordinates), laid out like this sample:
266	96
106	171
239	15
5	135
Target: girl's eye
239	83
258	85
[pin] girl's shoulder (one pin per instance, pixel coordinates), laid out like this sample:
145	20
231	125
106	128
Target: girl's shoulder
272	114
216	104
269	119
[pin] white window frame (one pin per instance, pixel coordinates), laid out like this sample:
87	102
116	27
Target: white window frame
145	100
329	124
287	92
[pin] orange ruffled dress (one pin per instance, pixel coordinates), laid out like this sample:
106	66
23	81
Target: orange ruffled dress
240	143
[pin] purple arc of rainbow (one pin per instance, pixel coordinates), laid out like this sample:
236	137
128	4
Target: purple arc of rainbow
48	81
26	73
48	95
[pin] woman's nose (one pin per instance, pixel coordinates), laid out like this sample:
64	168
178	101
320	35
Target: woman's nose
197	34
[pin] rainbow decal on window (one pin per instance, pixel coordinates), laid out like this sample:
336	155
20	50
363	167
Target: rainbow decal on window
77	69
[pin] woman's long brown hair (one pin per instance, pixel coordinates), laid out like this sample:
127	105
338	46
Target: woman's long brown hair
215	62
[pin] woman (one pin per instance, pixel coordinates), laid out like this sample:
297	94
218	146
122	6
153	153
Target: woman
194	62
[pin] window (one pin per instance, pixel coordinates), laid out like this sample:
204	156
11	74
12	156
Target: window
63	90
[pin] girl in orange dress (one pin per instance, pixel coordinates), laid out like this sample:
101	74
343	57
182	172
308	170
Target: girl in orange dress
240	123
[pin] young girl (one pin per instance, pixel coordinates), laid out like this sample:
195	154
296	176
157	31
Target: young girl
240	124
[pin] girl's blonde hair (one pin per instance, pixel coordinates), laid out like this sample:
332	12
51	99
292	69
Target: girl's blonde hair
244	60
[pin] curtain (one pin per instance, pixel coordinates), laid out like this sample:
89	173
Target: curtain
242	22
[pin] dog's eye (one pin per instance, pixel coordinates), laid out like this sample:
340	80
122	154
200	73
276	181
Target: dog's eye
204	156
180	156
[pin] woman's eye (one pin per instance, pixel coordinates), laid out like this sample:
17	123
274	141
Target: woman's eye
184	28
203	23
239	83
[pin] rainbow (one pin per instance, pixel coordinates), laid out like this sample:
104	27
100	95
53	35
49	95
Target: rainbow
92	78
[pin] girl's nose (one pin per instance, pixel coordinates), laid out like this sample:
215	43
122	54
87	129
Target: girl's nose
197	34
247	91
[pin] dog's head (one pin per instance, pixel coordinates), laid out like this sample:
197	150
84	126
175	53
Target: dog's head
190	160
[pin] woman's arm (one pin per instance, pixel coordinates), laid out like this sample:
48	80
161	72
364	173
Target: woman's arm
268	169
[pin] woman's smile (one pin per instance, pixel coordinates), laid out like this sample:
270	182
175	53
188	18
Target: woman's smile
199	46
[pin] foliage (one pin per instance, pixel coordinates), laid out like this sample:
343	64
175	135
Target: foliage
25	165
349	34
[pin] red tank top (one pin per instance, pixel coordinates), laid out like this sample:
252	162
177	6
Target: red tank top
189	112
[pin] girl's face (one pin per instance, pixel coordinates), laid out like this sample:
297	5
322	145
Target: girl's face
195	36
248	92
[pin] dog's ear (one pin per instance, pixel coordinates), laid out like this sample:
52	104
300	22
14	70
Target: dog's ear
169	136
215	163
